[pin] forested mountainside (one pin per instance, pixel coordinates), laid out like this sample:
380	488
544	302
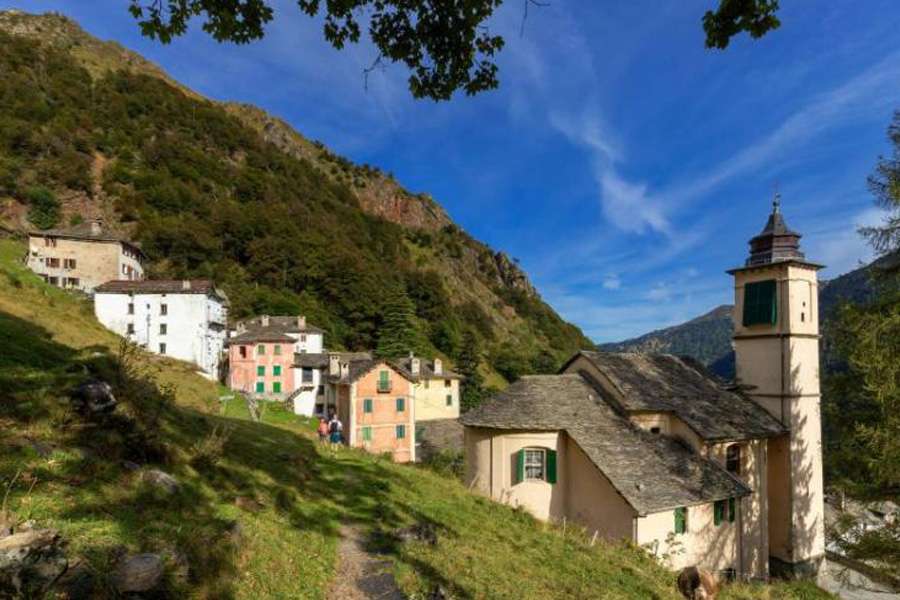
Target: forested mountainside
89	129
708	337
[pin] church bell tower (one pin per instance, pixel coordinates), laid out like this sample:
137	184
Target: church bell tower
776	344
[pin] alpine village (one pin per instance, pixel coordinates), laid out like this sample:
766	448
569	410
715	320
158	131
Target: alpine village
237	365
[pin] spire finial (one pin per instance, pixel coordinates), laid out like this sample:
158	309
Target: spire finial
776	200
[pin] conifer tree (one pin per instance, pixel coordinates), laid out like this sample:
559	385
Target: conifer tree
398	335
472	392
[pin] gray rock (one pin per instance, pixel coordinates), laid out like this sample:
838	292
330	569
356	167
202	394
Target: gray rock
30	562
94	398
139	573
160	480
16	549
130	466
420	532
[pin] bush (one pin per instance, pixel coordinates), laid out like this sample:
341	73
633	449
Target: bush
43	207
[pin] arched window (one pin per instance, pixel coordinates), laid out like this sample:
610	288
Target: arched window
733	459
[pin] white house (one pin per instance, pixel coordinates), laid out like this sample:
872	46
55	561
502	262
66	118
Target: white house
184	319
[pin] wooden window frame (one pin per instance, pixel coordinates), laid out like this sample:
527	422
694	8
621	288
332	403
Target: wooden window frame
400	431
368	406
760	303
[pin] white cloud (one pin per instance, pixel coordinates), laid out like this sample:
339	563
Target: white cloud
612	282
838	245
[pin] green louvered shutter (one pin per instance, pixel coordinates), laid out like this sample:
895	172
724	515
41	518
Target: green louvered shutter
680	520
718	512
760	303
520	466
732	505
551	466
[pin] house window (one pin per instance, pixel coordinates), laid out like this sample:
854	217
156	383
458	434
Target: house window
719	509
732	510
277	350
260	387
655	430
449	400
69	263
54	280
401	432
131	308
276	370
261	371
401	404
448	383
131	328
261	349
536	464
367	405
53	263
163	309
320	391
72	281
760	306
276	387
367	434
303	337
50	242
163	329
384	381
162	348
243	351
307	374
733	459
681	520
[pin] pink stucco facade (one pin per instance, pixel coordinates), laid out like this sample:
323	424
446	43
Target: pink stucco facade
262	368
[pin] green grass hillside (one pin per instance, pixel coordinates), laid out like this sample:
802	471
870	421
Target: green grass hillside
289	497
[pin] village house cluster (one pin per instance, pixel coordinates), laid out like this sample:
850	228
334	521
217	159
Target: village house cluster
648	448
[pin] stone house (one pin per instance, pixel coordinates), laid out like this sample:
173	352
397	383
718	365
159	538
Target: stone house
374	400
261	360
82	257
654	449
184	319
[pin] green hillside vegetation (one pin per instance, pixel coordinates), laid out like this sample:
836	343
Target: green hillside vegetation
81	132
289	497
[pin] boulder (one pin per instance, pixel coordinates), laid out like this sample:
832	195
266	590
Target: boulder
697	584
93	399
31	561
138	573
420	532
160	480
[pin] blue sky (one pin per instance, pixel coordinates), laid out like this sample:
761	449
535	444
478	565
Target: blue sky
623	164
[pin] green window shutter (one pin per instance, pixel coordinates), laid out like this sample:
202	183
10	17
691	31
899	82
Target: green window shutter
551	466
260	387
401	432
261	349
261	371
680	520
718	512
367	405
401	404
277	350
276	387
276	370
520	466
732	509
761	303
449	400
367	434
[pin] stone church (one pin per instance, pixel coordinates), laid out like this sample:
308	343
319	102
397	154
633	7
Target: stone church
654	449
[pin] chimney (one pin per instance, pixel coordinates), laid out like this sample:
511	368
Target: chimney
345	370
96	227
241	327
438	366
186	284
334	366
264	320
414	364
301	322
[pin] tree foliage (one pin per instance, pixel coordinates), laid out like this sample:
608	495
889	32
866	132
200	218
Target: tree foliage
472	391
43	208
398	336
885	185
447	46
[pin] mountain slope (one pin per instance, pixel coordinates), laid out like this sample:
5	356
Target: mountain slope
259	507
708	337
227	191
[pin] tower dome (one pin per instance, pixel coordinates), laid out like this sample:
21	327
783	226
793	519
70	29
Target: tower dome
776	242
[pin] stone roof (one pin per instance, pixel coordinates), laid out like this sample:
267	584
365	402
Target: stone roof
278	330
160	286
652	472
319	360
360	366
89	231
426	369
776	242
682	386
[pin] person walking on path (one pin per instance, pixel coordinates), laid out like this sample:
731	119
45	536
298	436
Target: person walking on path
335	428
323	430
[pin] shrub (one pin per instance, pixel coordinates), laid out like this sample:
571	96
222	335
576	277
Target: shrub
43	211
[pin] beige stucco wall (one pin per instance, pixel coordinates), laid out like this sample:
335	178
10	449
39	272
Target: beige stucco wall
781	362
704	544
431	399
95	262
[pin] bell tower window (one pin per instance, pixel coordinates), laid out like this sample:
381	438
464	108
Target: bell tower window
760	306
733	459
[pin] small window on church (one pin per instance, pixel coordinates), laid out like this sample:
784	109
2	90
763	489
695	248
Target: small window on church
760	307
655	430
680	520
733	459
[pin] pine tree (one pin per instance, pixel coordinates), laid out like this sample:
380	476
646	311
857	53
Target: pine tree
398	335
472	392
